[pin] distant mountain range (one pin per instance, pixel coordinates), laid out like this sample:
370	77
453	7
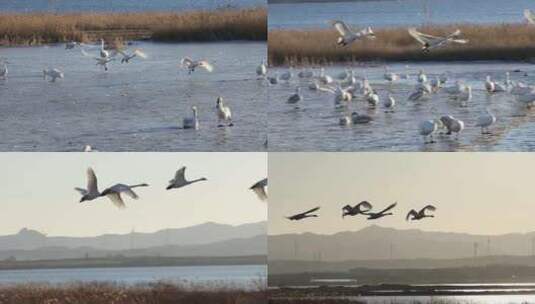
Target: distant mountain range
318	1
379	243
209	239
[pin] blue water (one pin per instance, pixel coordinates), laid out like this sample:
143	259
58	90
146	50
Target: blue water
234	275
388	13
121	5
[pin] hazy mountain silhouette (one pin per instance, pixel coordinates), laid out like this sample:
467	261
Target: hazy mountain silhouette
201	234
379	243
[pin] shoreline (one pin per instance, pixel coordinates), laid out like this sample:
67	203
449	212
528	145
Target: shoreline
195	26
132	262
498	42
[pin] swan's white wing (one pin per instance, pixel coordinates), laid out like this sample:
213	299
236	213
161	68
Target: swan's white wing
92	185
80	190
341	27
186	62
206	65
420	37
327	89
530	18
460	41
122	188
128	191
116	199
139	53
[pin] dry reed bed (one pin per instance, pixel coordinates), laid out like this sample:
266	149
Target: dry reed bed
487	42
219	25
98	293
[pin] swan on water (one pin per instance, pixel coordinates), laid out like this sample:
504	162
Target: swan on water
390	76
114	193
259	188
344	121
223	112
261	69
286	76
180	180
295	97
304	215
349	35
324	78
4	71
453	125
493	87
91	191
53	74
103	52
191	122
372	99
422	78
191	65
429	42
389	102
305	74
427	129
485	121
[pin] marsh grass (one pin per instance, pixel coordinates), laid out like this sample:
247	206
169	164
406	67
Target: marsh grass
318	47
219	25
98	293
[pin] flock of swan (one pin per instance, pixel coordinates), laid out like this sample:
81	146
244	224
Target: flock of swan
115	193
347	87
365	208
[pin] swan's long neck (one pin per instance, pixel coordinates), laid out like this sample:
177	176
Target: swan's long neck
197	180
195	114
102	44
138	185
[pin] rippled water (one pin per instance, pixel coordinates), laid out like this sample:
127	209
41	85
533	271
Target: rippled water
237	275
133	107
313	126
396	13
501	299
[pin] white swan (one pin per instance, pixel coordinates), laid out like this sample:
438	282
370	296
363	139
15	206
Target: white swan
485	121
259	189
340	95
453	125
191	65
102	61
422	78
324	78
427	128
127	57
180	180
389	102
223	112
261	69
456	89
372	99
103	52
429	42
390	76
191	122
91	192
530	18
114	193
493	87
296	97
52	73
349	35
344	121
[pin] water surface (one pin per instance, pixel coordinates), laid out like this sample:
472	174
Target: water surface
133	107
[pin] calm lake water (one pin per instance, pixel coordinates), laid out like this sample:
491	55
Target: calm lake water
236	275
133	107
121	5
389	13
313	126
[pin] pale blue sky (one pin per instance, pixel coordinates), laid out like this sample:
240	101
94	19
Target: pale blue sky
37	191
